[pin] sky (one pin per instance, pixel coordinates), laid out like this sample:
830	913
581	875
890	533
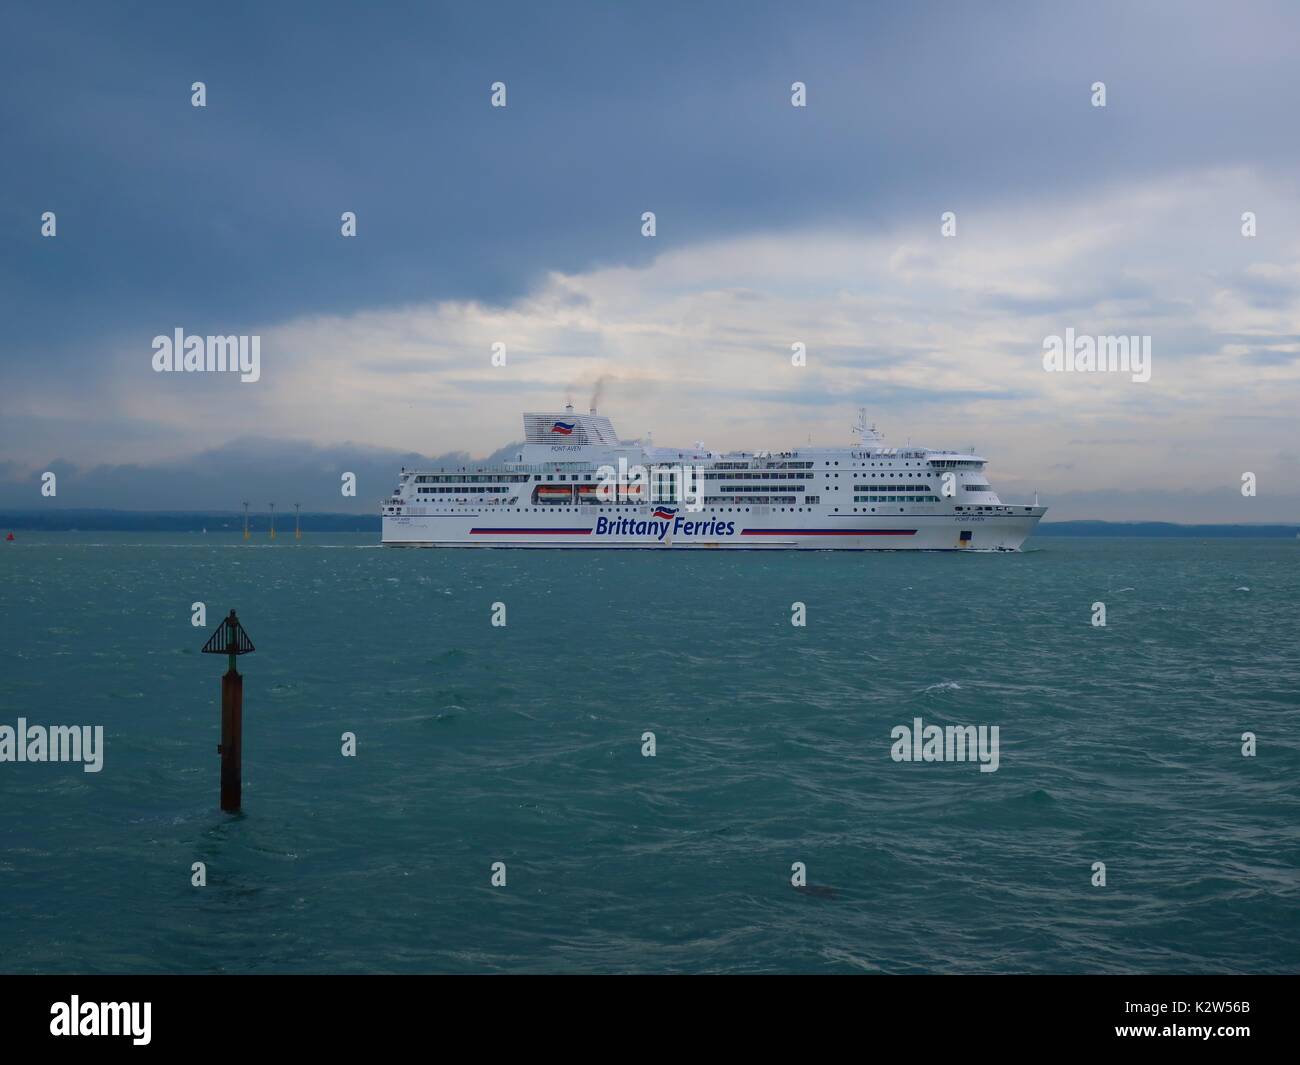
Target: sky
775	225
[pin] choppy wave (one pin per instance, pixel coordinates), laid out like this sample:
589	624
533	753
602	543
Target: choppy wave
524	744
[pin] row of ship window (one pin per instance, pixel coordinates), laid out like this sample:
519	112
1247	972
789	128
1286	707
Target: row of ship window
718	510
939	463
458	487
464	478
455	489
709	475
710	499
712	475
614	510
743	492
719	471
767	466
756	487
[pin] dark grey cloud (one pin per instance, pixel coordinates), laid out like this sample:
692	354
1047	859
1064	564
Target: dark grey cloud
231	212
260	470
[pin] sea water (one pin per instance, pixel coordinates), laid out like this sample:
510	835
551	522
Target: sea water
524	744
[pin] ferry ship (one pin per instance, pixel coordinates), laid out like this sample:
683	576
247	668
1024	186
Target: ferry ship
574	484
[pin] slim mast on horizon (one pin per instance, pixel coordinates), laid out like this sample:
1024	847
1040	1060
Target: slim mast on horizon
272	506
245	519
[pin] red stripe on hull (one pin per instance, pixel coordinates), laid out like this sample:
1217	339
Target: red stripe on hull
530	532
828	532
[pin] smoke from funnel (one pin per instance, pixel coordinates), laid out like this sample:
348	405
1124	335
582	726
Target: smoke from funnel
598	392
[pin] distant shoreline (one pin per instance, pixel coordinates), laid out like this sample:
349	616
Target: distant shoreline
68	520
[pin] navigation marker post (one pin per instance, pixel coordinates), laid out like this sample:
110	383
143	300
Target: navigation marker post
231	640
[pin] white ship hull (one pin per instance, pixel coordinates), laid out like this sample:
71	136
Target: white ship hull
559	492
913	532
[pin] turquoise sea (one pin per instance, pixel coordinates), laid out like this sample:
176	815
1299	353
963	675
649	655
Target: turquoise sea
522	744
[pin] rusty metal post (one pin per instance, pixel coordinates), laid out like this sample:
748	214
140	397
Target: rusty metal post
231	640
232	738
